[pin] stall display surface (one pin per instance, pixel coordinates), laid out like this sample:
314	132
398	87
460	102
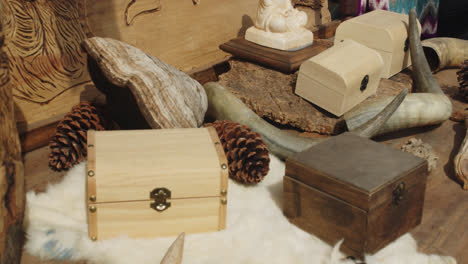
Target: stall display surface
445	203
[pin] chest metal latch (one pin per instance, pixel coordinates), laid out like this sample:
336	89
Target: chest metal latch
399	193
160	196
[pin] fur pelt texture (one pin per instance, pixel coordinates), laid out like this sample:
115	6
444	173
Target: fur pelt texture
257	232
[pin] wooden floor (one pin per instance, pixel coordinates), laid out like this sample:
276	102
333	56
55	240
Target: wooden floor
445	219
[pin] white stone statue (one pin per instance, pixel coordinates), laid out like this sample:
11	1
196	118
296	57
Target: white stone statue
278	25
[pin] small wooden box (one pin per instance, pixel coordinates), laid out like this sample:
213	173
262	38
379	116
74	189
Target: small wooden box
340	77
355	189
147	183
384	31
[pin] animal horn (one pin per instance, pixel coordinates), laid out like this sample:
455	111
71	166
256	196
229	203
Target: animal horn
421	109
223	105
423	79
372	127
175	251
445	52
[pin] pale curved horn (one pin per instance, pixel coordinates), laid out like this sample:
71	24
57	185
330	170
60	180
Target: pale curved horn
445	52
372	127
223	105
175	251
423	79
422	109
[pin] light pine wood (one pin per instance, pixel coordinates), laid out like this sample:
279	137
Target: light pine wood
383	31
138	220
182	160
224	176
125	166
91	184
180	33
332	79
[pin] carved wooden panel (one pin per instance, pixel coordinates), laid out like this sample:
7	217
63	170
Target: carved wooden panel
179	32
43	46
11	170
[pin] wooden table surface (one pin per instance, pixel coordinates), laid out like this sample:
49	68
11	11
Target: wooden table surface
444	224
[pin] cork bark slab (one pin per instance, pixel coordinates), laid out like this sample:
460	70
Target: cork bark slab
271	95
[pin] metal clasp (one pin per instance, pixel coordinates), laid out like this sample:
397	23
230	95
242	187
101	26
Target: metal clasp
364	83
160	196
406	45
398	193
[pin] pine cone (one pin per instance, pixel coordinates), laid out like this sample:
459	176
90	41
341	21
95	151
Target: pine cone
68	145
245	150
463	80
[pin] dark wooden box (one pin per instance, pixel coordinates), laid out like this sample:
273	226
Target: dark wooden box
355	189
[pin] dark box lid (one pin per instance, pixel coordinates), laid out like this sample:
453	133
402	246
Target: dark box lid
352	168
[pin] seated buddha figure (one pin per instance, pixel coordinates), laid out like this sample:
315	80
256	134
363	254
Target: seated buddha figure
279	25
279	16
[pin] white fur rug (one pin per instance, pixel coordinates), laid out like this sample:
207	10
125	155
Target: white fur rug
257	232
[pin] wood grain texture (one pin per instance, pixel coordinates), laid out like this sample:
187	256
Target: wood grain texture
366	168
183	160
35	116
43	47
223	163
139	220
37	138
188	162
285	61
445	206
325	216
167	97
388	221
181	34
11	169
47	65
366	178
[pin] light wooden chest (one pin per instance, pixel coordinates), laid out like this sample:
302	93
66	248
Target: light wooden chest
355	189
341	77
384	31
147	183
